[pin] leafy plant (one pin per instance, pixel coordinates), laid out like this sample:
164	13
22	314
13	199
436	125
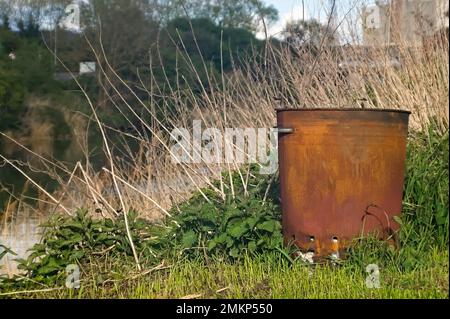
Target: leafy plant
72	240
426	209
245	223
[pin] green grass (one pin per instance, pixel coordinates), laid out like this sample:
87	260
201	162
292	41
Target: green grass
266	276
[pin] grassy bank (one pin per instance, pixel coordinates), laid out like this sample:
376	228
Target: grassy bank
193	255
265	276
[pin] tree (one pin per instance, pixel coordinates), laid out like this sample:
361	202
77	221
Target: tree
31	27
5	22
12	97
9	41
200	39
29	73
41	11
125	33
309	33
245	14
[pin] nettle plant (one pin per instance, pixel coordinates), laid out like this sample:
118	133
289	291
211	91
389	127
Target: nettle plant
244	225
72	240
248	222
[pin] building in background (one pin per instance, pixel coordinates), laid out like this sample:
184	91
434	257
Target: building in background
403	21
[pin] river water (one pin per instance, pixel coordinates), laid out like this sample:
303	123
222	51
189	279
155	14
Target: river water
19	233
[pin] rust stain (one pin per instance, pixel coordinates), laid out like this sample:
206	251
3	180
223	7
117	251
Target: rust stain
333	167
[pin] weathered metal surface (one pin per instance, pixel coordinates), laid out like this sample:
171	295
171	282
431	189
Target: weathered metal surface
341	175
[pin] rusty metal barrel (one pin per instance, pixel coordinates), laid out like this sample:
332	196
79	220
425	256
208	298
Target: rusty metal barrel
341	175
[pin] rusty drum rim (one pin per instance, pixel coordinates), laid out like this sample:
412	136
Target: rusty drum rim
343	110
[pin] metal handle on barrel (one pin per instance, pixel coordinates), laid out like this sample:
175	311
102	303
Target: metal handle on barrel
284	130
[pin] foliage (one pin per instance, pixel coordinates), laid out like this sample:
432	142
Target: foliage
12	96
30	72
128	30
310	33
426	187
72	240
245	14
199	46
232	227
132	35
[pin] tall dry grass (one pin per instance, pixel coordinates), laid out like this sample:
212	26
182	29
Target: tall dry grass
414	79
